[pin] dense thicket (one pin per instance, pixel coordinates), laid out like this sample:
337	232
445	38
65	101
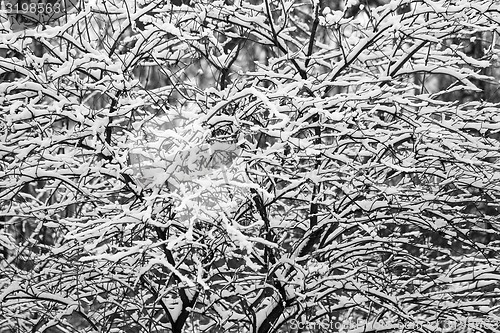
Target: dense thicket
246	166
